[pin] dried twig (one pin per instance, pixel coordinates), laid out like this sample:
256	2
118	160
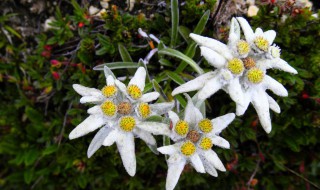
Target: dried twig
64	124
302	177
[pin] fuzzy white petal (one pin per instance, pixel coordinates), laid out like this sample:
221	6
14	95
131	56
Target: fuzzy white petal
173	117
213	159
240	109
90	124
211	87
125	144
221	142
213	58
139	78
148	139
170	149
107	71
210	169
197	164
98	140
276	63
111	138
155	128
273	104
194	84
176	164
222	122
95	110
148	97
270	35
274	86
261	105
235	91
85	91
212	44
246	28
192	114
162	108
234	33
122	87
92	99
110	80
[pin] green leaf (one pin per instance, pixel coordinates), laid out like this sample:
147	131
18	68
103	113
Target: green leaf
158	88
165	62
174	22
49	150
28	176
181	100
191	50
178	54
106	44
34	115
184	32
202	23
30	157
12	31
175	77
117	65
158	79
125	56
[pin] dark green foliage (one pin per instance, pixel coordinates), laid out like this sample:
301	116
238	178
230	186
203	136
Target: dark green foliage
39	108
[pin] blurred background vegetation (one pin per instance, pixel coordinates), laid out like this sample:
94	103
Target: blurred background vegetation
46	46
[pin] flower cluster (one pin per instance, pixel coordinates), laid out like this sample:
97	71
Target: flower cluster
194	137
241	70
121	112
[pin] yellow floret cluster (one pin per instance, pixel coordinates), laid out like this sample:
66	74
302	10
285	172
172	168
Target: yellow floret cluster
182	128
127	123
134	91
243	47
255	75
108	108
235	65
261	43
205	125
144	110
205	143
109	91
188	148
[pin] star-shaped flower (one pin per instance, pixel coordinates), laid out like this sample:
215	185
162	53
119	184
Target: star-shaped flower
194	137
122	111
255	82
228	61
263	47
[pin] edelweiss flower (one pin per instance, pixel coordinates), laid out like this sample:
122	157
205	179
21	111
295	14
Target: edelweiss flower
228	61
268	55
122	111
255	83
194	137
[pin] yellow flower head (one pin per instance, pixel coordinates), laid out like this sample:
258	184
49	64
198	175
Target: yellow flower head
205	143
134	91
261	43
205	125
235	65
182	128
108	108
255	75
127	123
243	47
144	110
109	91
188	148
